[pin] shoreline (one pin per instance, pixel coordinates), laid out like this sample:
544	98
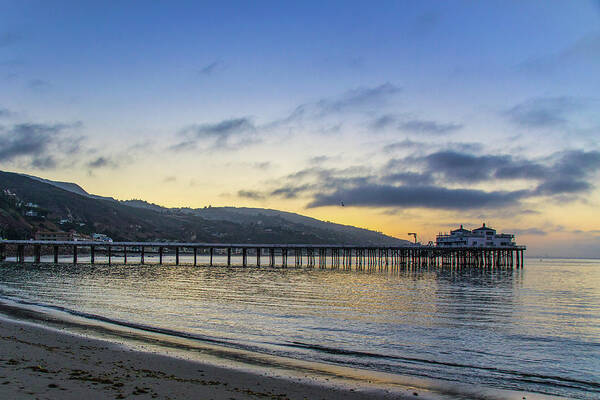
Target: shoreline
38	362
54	355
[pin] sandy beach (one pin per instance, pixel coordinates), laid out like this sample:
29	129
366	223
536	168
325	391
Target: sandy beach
41	363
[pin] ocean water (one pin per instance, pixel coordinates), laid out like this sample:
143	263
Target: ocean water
535	329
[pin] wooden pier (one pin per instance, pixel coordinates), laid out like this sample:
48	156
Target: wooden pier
277	255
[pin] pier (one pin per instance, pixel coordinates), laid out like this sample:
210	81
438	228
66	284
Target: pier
244	255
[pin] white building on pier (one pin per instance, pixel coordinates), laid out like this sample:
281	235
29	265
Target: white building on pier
480	237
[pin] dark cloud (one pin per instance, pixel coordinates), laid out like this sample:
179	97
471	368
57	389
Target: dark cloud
44	162
570	173
418	196
463	167
429	181
384	122
565	173
545	112
102	162
409	178
211	68
37	143
250	194
562	186
222	129
521	170
292	192
428	127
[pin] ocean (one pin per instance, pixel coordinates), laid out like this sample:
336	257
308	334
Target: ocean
535	329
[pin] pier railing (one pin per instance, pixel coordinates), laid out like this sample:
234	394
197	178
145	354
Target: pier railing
283	255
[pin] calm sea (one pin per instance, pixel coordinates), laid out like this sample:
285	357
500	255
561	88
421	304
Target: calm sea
536	329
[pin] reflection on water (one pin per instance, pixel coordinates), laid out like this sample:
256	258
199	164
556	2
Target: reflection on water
536	329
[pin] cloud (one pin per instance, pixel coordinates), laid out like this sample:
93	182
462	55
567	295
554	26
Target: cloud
418	196
359	99
406	123
409	178
384	122
543	112
212	68
229	133
102	162
405	144
250	194
570	173
262	165
319	159
563	173
291	192
430	180
562	186
170	179
583	53
37	143
428	127
528	231
362	99
463	167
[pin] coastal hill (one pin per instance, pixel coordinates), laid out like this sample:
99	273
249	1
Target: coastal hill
29	204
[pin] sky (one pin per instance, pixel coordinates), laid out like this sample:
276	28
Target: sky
418	116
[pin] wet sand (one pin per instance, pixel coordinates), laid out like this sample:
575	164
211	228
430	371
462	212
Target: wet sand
41	363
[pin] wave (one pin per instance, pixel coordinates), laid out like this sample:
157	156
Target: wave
358	357
520	375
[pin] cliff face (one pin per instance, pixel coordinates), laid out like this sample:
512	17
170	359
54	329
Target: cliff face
28	204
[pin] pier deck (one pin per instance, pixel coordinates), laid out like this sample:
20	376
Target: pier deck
283	255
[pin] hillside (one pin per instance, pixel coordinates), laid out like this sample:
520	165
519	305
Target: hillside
63	206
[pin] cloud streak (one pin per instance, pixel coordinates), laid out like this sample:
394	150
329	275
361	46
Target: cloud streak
544	112
226	134
213	67
417	197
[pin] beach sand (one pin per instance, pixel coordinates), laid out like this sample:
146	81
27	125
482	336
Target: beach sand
41	363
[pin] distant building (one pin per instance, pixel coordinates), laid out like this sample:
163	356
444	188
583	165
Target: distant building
480	237
31	213
100	237
32	205
61	236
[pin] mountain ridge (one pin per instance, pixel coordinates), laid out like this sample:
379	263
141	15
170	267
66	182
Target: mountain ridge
66	206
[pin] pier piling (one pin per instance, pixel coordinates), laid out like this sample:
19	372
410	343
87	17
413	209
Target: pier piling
325	256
